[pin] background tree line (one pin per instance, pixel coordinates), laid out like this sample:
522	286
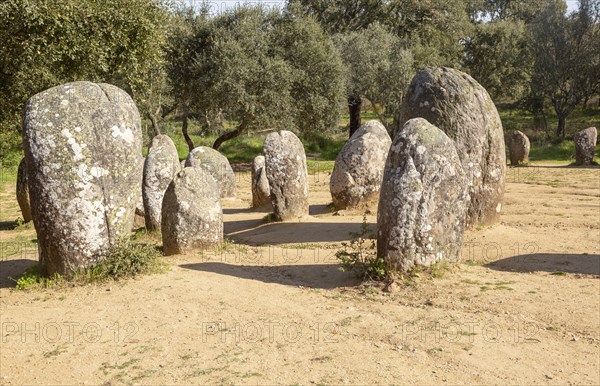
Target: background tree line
299	67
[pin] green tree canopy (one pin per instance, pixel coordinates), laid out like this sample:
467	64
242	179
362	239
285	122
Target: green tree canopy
46	43
565	48
377	67
262	69
497	56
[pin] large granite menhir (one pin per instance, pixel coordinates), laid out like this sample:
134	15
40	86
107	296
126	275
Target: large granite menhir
423	200
83	145
287	174
356	177
459	106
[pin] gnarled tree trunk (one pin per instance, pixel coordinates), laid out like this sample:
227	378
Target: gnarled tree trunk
184	130
354	106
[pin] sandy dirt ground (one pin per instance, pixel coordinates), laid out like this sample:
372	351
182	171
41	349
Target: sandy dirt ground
271	307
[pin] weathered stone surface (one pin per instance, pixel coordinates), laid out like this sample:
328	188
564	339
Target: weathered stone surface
585	146
261	194
423	200
518	148
459	106
161	165
217	165
358	170
139	220
23	191
191	212
287	175
83	148
139	208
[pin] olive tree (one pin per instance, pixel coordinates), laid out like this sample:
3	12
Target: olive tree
497	56
378	68
262	70
565	48
45	43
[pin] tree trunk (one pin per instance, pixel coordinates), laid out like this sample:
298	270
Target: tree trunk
154	120
379	114
184	130
227	136
560	129
354	107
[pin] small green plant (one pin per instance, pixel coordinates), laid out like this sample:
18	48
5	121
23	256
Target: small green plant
360	255
127	259
33	278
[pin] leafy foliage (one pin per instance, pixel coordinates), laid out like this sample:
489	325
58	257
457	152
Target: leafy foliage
566	49
377	67
127	259
260	68
46	43
360	255
498	57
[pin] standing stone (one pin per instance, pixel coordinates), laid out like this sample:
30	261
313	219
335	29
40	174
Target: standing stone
83	146
519	148
585	146
358	170
261	194
191	212
424	199
459	106
287	174
217	165
161	165
23	191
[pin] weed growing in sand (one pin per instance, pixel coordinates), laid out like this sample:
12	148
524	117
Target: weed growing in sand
127	259
360	255
124	260
33	279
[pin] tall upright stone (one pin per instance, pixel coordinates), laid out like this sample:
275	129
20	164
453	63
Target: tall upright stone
585	146
22	190
287	174
459	106
518	148
192	214
261	193
423	201
217	165
83	145
358	170
160	166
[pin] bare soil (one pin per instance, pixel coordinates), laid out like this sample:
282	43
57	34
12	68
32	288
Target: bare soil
271	307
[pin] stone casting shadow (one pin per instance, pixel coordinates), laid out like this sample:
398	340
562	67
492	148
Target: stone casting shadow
10	270
323	276
549	262
277	233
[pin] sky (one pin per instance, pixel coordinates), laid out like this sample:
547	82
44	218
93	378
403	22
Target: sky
219	5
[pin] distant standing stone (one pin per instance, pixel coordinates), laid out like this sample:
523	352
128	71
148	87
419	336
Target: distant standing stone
83	145
585	146
287	175
459	106
217	165
23	191
519	148
261	194
161	165
191	212
358	170
423	201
